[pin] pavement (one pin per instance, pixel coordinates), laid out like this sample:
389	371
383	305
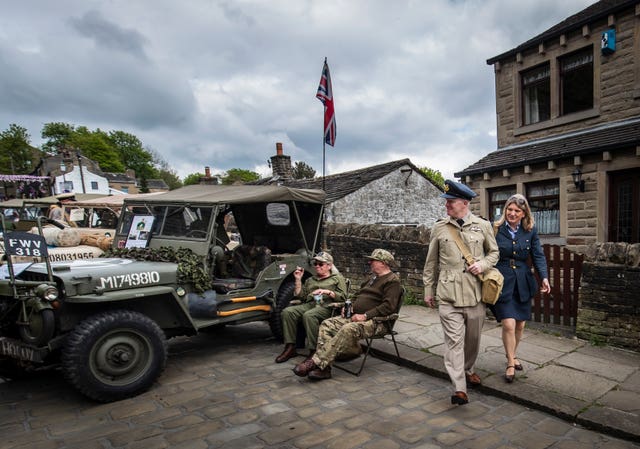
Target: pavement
223	390
597	387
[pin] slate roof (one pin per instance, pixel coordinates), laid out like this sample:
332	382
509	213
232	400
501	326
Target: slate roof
613	135
342	184
590	14
119	177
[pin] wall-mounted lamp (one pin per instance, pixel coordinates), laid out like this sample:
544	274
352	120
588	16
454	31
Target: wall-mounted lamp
577	179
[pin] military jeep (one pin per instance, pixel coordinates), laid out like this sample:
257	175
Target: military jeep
105	322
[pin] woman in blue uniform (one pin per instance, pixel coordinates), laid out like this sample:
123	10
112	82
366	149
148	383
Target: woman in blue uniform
518	240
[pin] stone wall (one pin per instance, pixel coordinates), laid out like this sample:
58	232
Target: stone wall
350	243
609	305
401	197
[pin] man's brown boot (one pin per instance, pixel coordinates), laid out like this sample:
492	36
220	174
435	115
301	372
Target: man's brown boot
288	352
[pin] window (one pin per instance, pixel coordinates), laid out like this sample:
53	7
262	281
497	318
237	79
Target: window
544	200
65	186
624	207
278	214
94	185
576	81
536	95
497	198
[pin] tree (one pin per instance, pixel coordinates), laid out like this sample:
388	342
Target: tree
133	155
97	146
301	170
193	178
170	178
239	175
58	135
17	156
433	175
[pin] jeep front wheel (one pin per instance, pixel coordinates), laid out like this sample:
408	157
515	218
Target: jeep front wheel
283	298
114	355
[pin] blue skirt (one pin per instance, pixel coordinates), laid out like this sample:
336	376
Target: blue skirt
510	306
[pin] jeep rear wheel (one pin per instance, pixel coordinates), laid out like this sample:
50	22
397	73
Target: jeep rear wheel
283	298
114	355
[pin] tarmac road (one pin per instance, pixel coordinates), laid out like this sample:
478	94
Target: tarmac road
223	390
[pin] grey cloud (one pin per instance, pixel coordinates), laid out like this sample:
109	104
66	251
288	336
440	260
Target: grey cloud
95	26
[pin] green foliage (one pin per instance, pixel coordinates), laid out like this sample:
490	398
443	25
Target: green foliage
97	146
190	265
434	175
193	178
17	156
239	175
170	178
132	154
411	299
58	135
301	170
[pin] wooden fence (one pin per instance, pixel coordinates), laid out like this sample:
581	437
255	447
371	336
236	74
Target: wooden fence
560	307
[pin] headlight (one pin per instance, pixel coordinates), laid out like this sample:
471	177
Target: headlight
47	292
180	291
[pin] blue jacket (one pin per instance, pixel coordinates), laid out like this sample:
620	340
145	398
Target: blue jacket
514	254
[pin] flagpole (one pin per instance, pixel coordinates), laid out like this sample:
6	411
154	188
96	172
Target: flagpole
324	201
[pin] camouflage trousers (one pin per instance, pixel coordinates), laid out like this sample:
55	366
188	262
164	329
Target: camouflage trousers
342	336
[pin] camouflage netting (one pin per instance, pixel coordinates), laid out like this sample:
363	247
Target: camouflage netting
190	265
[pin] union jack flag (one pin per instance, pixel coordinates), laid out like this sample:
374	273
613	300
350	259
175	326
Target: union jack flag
325	95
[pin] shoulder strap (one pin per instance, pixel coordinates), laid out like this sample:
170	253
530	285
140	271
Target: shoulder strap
463	248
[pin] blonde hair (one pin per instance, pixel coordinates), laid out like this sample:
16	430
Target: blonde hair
521	203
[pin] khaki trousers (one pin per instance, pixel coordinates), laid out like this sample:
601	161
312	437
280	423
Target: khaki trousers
462	327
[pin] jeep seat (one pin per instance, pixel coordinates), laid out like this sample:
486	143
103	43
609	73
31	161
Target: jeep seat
246	263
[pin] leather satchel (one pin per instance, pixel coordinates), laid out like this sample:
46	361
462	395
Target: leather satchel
492	279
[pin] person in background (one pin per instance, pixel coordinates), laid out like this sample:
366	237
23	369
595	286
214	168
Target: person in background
329	286
456	285
378	297
55	213
518	241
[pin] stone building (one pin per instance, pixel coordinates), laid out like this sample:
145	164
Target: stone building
392	193
568	127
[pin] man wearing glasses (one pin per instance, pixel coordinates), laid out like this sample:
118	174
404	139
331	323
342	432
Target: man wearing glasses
325	287
378	296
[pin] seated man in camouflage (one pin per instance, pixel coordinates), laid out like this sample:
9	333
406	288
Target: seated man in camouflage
327	283
378	296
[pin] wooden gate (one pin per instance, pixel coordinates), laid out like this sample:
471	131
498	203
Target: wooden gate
560	307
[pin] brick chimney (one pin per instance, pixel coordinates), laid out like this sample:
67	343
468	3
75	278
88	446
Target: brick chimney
207	179
281	164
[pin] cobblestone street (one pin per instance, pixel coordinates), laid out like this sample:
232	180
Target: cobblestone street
223	390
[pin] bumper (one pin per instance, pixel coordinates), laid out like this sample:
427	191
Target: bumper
16	349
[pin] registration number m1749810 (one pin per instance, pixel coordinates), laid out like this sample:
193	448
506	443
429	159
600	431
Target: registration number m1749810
130	280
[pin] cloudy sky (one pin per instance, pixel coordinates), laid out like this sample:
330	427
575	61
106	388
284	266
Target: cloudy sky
218	82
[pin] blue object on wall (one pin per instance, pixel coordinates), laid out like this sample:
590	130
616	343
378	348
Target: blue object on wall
608	41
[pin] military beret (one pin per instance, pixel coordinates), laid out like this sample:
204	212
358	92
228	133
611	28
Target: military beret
457	190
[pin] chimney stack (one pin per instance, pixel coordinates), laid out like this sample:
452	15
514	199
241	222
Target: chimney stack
281	164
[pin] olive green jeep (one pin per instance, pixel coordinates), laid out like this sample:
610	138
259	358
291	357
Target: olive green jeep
105	322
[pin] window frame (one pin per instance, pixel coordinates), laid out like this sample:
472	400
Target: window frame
494	203
533	199
570	74
537	82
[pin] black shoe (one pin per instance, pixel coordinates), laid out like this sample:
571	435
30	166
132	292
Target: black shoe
509	377
459	398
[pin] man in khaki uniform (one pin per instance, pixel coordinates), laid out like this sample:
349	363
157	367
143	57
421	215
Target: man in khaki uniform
456	286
